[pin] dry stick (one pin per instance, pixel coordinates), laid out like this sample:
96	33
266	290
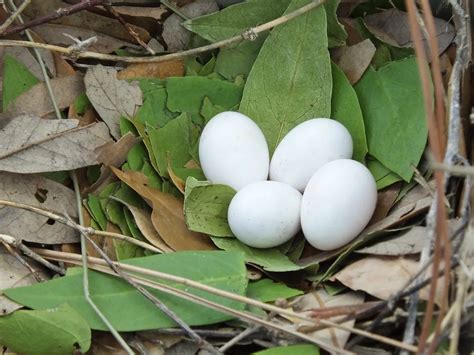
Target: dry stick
74	258
250	34
13	16
153	299
78	227
457	170
61	12
22	261
131	31
436	146
30	253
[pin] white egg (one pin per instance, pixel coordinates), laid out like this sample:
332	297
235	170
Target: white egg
233	151
306	148
265	214
337	204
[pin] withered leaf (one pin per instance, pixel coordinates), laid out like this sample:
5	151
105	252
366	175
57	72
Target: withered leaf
39	192
29	144
36	101
167	216
382	276
160	70
112	98
354	60
391	26
15	274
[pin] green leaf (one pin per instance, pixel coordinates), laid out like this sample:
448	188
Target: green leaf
186	94
16	80
81	103
54	331
290	81
270	259
306	349
153	112
391	100
205	207
172	143
337	34
346	110
383	177
209	110
127	309
266	290
96	211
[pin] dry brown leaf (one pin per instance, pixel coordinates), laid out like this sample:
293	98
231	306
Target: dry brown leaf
54	34
39	192
354	60
112	98
30	144
385	200
174	34
161	70
353	34
84	19
63	68
304	305
177	181
167	216
382	276
15	274
115	153
37	101
141	11
143	221
391	26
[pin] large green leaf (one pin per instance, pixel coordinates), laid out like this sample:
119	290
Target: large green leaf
346	109
270	259
266	290
153	112
205	207
127	309
290	82
16	79
383	177
391	100
172	144
186	94
54	331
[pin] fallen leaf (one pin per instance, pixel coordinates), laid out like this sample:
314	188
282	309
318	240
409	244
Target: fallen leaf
354	60
143	221
39	192
392	27
55	34
112	98
25	56
115	153
411	242
161	70
385	200
382	276
63	68
37	101
174	34
15	274
306	304
167	216
29	144
282	91
155	12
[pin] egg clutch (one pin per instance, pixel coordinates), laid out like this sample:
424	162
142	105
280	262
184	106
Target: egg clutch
310	183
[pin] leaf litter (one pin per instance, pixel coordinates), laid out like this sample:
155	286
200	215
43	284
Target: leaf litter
359	70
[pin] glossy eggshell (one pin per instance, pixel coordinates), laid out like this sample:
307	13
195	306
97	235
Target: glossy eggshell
337	204
233	151
306	148
265	214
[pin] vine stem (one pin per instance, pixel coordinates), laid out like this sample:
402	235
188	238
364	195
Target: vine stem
251	34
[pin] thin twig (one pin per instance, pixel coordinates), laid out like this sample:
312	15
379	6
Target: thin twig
30	253
174	9
22	261
13	16
457	170
61	12
242	335
250	34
